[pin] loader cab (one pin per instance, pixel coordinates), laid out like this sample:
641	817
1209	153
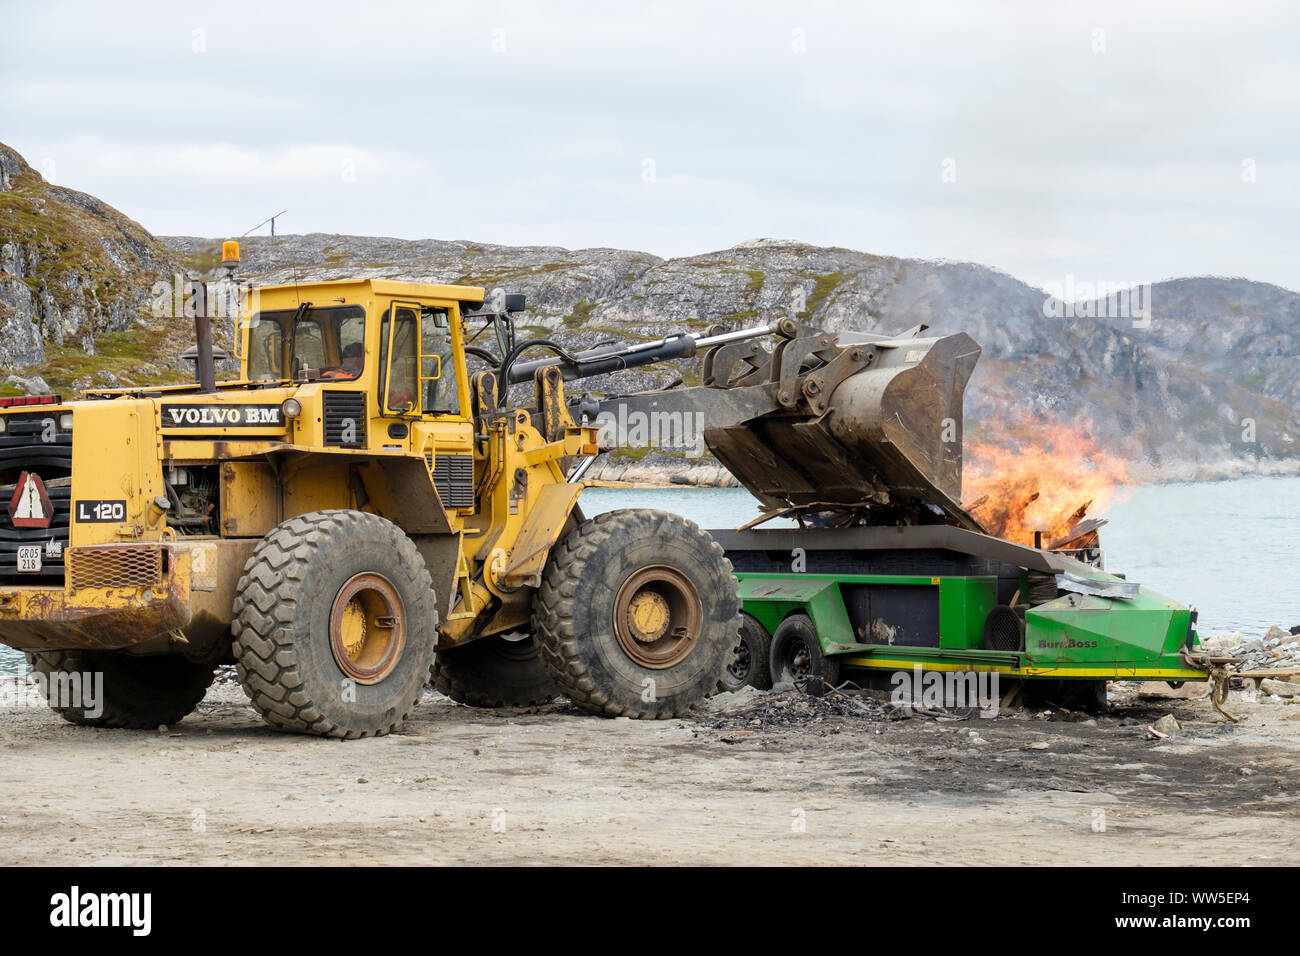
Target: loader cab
400	341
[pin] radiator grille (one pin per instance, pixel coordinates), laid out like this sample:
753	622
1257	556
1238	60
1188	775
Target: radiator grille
454	477
116	566
345	419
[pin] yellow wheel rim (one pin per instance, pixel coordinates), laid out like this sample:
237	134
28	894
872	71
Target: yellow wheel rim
367	628
658	617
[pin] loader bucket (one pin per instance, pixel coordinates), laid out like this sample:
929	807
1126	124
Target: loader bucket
880	426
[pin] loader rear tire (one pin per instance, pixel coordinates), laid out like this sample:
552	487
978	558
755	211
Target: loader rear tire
334	625
637	614
138	693
504	670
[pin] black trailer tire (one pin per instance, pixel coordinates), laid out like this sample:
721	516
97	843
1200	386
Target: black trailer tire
495	671
334	625
797	657
637	614
138	692
751	661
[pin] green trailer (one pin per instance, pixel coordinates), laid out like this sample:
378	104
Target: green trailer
872	604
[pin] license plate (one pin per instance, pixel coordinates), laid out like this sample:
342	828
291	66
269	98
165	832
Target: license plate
29	557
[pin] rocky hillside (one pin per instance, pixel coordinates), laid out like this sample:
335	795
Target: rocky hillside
75	278
1175	398
1181	398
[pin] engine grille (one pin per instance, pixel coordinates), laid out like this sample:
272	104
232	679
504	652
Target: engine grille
22	449
116	566
453	475
345	418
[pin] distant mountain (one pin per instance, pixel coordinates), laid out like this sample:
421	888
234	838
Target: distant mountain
1208	387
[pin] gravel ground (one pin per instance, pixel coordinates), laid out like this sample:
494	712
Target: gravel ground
775	779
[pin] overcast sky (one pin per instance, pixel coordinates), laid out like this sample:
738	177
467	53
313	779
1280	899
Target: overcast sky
1107	141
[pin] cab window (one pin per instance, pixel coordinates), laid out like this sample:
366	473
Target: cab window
308	347
441	394
328	341
351	350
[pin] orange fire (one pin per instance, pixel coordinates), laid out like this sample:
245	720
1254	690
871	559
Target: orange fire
1047	482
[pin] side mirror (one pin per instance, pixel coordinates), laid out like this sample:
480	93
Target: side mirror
515	302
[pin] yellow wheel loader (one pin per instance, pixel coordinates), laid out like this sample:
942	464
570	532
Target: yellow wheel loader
365	508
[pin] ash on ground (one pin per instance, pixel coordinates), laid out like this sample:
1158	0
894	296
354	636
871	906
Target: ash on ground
749	709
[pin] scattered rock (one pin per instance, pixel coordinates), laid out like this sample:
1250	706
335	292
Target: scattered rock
1167	725
1278	649
35	385
1280	688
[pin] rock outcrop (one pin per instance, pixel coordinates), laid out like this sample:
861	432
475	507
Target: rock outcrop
1207	388
71	269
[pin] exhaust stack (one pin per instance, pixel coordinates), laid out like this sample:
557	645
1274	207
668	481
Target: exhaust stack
207	372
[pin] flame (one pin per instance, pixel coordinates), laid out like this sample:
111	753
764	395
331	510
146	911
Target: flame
1039	477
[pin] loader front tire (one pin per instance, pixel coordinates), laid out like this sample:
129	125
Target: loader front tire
504	670
136	693
334	625
637	614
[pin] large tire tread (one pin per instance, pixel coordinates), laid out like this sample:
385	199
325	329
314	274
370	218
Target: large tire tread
265	604
554	617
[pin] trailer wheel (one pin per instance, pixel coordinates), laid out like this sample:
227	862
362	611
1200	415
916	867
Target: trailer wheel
334	625
504	670
751	662
137	692
637	612
797	657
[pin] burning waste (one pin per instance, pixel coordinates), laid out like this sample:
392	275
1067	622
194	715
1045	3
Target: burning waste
1041	483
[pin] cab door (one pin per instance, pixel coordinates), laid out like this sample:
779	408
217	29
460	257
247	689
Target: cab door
424	384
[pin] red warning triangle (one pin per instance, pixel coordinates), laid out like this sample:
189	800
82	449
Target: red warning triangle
30	506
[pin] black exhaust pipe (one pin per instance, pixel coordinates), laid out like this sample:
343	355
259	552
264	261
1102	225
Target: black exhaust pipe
206	367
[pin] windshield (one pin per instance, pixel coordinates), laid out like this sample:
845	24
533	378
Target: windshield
330	340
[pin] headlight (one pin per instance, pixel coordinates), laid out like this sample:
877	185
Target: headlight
292	408
2	424
65	421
